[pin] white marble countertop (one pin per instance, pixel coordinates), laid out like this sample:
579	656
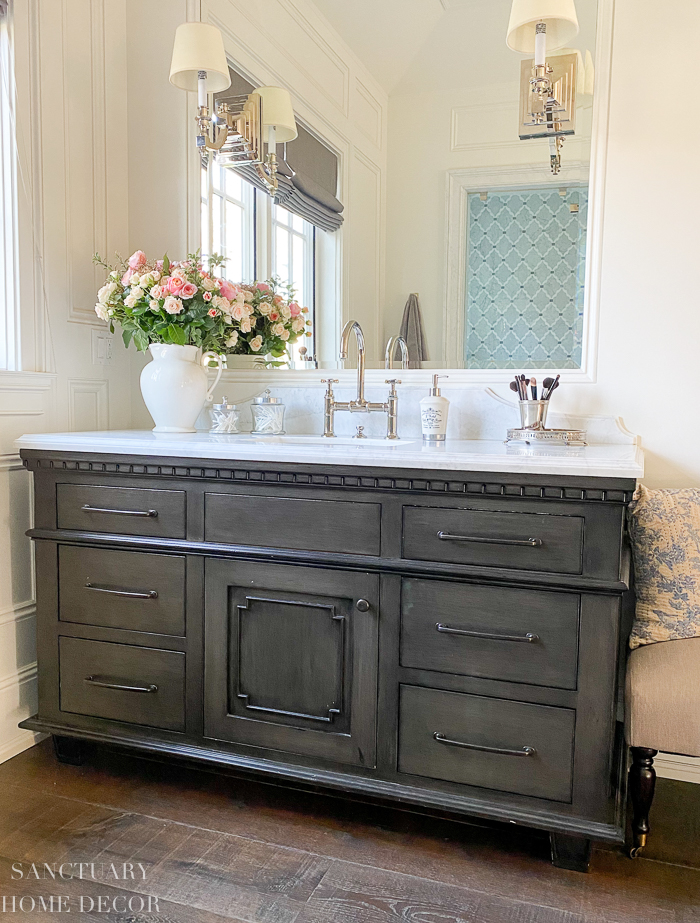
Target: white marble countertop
605	461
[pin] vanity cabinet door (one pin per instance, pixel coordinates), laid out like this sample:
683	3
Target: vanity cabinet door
291	659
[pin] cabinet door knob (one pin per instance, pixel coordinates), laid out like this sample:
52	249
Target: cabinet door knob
362	605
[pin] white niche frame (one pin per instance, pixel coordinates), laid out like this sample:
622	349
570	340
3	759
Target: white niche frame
312	378
460	185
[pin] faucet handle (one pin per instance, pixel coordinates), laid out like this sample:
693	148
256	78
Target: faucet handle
393	382
330	382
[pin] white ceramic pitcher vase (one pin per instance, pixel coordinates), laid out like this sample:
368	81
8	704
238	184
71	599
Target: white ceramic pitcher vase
174	386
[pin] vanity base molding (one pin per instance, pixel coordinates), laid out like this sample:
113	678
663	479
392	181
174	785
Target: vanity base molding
309	778
444	641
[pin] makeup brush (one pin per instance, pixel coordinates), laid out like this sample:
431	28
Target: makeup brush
533	388
553	383
546	385
514	387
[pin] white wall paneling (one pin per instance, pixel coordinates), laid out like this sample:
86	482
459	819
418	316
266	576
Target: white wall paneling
72	199
368	113
88	404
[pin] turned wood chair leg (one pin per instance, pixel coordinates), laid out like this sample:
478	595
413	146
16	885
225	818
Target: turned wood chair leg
642	780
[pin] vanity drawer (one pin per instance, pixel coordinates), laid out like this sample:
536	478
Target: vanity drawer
491	743
520	636
281	522
493	538
132	590
137	685
127	510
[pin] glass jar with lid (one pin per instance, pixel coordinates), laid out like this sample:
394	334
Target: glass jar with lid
224	417
268	415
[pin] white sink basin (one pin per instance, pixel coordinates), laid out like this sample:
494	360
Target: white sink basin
335	442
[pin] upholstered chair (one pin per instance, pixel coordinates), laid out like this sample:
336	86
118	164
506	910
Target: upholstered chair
663	713
663	671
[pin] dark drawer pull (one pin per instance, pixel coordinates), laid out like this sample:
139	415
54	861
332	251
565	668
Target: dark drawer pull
524	751
96	682
488	635
530	542
98	509
132	594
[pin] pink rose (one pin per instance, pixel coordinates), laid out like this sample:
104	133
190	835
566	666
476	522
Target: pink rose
207	296
273	315
175	285
137	260
294	309
228	290
188	290
127	276
238	312
262	287
278	299
212	312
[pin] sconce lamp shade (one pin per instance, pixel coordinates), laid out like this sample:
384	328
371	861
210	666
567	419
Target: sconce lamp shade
199	47
559	16
277	113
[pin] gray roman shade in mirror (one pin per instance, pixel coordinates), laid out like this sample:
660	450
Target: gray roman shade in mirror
307	172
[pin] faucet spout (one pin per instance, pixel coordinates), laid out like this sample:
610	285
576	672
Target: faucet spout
353	325
391	349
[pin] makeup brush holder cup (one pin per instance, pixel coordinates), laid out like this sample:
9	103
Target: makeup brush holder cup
533	414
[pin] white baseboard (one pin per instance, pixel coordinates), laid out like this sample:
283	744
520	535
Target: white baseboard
681	768
23	740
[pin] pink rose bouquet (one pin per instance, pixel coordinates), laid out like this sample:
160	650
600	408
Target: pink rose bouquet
181	303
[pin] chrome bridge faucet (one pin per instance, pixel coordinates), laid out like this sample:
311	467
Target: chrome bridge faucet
360	404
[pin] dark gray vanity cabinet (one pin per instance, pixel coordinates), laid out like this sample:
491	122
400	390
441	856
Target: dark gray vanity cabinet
450	641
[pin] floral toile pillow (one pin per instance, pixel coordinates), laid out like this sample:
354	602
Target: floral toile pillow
664	528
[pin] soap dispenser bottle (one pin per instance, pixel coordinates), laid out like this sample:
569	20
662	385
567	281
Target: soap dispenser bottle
433	414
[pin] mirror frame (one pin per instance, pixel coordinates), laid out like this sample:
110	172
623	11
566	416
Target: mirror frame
456	187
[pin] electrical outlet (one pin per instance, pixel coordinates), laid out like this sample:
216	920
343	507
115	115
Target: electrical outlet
101	347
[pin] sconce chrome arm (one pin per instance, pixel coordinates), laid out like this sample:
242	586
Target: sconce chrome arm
235	134
391	351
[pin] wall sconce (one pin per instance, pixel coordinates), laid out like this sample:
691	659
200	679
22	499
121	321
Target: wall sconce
547	90
234	133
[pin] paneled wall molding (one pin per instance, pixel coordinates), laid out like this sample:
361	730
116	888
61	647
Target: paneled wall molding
18	677
18	611
84	162
368	113
299	13
88	404
27	401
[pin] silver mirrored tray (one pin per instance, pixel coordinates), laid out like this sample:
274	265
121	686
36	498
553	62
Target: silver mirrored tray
548	436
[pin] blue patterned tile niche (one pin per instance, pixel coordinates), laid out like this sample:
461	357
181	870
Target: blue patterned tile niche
526	256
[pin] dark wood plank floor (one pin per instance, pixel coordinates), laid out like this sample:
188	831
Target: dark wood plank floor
219	848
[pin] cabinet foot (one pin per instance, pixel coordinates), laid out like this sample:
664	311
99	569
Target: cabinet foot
570	852
68	750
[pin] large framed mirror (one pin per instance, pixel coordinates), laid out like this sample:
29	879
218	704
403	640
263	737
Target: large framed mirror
441	224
